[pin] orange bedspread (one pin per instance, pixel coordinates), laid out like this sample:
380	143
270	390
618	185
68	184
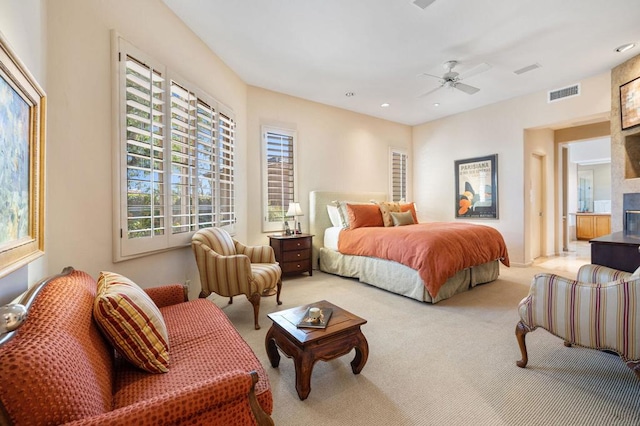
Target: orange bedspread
437	250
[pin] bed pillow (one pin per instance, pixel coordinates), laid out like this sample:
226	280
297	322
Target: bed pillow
401	219
410	207
334	216
342	210
131	322
388	207
364	215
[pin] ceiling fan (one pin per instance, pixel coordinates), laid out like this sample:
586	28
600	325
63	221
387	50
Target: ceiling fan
453	79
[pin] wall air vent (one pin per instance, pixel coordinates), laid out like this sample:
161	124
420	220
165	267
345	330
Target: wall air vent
565	92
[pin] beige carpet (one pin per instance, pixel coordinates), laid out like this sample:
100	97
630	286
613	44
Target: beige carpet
452	363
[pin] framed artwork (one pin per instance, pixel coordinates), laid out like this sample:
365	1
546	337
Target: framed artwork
22	124
476	192
630	103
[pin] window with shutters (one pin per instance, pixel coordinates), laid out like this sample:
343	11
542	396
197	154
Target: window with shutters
176	155
398	174
279	176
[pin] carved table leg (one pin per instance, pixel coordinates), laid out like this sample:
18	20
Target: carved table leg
521	331
304	366
272	349
362	354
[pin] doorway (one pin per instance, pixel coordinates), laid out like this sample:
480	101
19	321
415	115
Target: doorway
536	194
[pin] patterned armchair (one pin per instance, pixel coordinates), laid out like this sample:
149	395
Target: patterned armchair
599	310
229	268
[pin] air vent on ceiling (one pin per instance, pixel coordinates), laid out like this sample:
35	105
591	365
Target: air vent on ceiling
423	3
565	92
527	69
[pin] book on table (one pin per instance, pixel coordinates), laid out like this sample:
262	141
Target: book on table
321	322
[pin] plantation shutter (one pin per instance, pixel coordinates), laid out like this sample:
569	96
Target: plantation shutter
206	165
226	159
175	155
183	147
398	175
279	176
144	134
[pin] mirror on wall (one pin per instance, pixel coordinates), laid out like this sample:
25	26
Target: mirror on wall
585	191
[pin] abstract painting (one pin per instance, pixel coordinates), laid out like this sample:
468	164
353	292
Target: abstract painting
22	133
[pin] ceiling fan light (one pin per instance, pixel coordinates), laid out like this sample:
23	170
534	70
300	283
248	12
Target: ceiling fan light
625	47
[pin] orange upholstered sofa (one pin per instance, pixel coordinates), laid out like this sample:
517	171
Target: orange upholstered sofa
58	368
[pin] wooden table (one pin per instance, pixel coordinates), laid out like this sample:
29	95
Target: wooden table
308	345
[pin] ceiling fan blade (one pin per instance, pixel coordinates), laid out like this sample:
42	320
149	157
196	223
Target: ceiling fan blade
480	68
470	90
431	91
423	4
430	75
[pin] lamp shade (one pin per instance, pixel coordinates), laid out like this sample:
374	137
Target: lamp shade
294	210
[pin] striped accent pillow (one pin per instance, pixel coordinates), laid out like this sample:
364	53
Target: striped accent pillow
132	322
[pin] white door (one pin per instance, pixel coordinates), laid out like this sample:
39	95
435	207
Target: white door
536	196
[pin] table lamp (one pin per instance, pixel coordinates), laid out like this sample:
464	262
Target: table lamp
295	211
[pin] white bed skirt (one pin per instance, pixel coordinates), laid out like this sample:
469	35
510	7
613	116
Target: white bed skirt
401	279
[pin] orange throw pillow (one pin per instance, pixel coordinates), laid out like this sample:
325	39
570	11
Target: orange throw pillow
363	215
410	208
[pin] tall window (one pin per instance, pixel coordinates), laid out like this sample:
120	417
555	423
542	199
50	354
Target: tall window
176	156
398	174
279	176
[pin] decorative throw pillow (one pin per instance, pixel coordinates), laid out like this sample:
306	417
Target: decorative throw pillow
363	215
386	207
132	322
334	215
401	219
410	208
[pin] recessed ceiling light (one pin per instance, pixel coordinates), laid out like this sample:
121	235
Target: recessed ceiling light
384	105
436	104
349	94
625	47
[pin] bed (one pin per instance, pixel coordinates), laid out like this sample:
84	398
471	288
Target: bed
391	275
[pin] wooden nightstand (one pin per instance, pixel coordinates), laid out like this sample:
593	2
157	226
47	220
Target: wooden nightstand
293	253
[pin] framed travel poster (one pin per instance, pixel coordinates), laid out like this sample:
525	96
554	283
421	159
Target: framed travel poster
476	192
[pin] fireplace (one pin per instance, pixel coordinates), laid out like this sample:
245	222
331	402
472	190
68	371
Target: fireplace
631	212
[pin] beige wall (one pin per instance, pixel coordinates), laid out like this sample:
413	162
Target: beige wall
79	166
620	75
497	129
336	149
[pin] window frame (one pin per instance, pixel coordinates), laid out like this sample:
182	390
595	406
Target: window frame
403	153
127	248
269	226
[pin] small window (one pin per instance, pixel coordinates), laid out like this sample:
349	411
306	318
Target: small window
279	175
398	175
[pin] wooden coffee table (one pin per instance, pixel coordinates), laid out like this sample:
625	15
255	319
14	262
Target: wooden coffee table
308	345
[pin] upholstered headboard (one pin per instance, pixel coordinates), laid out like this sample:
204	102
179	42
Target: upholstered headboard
319	218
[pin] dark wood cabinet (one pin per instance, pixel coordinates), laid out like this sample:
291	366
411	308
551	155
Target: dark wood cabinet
293	253
617	250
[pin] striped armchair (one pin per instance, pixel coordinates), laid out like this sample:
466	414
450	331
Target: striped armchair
229	268
599	310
